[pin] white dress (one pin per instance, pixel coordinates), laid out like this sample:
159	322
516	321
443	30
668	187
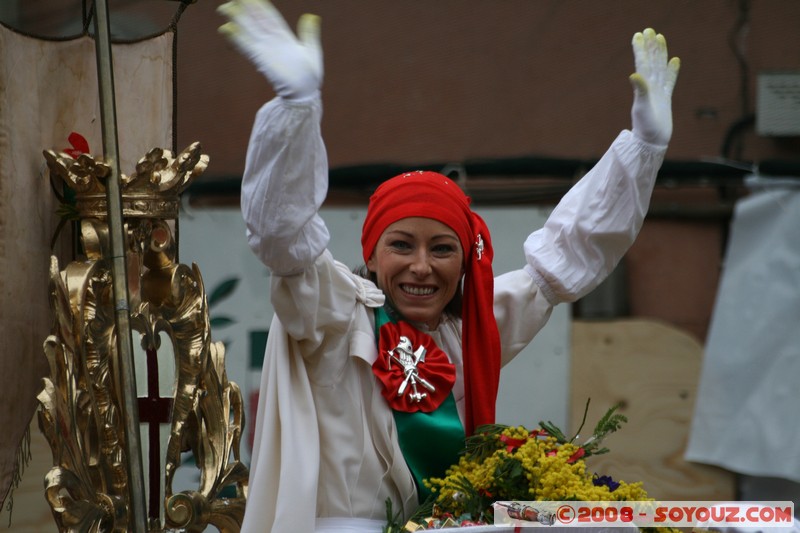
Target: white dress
325	444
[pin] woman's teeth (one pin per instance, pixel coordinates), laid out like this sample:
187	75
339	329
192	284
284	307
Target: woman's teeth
418	291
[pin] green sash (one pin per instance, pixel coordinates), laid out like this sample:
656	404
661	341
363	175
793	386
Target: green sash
430	442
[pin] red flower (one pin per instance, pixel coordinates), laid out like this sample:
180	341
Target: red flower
415	373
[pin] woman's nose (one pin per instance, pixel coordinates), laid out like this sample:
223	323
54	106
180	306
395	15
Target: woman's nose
420	264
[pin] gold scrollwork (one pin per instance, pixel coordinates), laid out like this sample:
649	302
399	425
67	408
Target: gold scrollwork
80	410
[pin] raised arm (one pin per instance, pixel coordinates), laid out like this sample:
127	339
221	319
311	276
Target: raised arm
286	171
596	222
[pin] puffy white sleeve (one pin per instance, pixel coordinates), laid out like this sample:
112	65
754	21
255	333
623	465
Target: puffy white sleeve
284	185
583	239
596	222
285	182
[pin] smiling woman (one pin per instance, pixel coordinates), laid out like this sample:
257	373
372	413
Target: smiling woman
418	263
372	384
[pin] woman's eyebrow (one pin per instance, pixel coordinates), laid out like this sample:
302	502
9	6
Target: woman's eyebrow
445	236
400	232
411	235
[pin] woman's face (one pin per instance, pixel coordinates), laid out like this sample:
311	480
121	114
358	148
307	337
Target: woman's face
418	263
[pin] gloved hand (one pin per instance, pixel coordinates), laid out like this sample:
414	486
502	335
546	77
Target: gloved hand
292	64
652	83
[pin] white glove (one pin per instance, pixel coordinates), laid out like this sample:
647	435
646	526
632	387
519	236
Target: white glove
652	83
292	65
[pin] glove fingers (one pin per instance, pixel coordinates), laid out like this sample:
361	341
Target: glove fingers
641	52
229	9
292	65
256	21
231	30
658	51
673	68
234	33
263	17
308	29
639	85
652	83
652	60
238	28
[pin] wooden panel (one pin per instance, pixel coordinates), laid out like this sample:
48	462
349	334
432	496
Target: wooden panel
651	369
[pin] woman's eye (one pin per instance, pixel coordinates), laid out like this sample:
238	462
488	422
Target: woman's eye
443	249
400	245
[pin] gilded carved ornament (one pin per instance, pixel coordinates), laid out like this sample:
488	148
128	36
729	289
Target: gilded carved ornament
80	405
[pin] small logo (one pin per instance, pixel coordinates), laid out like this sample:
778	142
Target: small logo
565	514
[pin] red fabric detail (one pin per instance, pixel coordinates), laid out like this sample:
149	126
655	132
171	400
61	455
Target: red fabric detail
253	414
480	337
417	194
79	145
436	369
433	195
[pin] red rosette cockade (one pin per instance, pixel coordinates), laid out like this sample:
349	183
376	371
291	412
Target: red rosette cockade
415	373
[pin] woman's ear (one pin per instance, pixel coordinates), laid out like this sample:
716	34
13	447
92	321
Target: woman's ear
371	263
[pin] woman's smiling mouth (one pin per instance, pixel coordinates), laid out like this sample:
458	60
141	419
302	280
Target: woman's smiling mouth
416	290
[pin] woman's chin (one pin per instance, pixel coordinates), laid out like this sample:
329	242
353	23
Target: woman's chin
415	316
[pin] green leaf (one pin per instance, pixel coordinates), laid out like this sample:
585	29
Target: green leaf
393	520
554	431
609	423
221	321
424	510
222	291
484	441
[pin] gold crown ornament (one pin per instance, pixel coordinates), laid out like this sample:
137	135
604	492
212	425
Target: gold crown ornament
152	191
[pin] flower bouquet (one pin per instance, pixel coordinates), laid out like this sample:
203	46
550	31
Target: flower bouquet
507	463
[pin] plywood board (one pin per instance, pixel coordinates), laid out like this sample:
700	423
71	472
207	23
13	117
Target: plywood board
652	369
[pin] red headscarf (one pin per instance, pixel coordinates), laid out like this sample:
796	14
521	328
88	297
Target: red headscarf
432	195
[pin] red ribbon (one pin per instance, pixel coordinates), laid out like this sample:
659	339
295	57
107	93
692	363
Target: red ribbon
512	444
580	452
436	369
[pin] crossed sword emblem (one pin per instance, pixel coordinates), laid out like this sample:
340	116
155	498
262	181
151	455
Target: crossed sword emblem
409	360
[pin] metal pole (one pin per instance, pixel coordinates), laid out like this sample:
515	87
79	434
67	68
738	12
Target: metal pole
137	513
